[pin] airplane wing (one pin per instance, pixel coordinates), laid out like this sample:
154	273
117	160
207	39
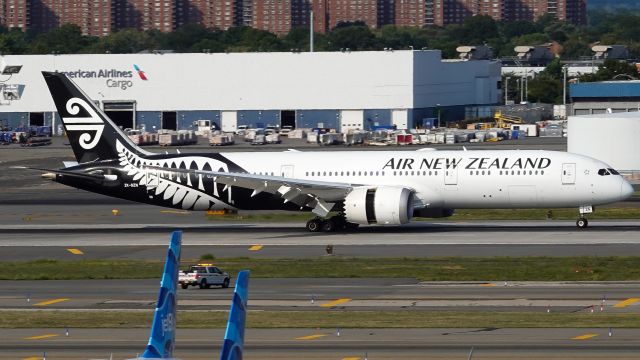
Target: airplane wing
319	195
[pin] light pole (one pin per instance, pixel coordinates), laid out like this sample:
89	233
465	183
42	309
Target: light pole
564	87
506	89
438	107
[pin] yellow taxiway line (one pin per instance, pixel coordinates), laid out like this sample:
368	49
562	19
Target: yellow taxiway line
40	337
584	337
311	337
335	302
51	302
626	303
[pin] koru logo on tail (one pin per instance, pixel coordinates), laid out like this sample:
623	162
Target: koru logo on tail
91	126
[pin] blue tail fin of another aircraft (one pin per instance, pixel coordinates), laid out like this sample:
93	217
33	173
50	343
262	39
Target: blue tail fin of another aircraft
163	330
234	337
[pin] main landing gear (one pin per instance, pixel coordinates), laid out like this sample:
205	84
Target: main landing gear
334	223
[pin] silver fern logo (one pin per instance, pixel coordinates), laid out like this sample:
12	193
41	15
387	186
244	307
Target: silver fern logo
91	126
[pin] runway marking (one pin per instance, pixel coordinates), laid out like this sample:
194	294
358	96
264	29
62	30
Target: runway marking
584	337
50	302
311	337
335	302
352	358
40	337
33	358
255	247
626	303
75	251
488	285
179	212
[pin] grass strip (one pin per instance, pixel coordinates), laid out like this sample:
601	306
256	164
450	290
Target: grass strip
586	268
604	213
321	319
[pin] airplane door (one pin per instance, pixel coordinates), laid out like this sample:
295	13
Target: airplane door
286	171
451	176
568	174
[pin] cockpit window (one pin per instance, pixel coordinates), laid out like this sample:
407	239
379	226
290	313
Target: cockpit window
613	172
603	172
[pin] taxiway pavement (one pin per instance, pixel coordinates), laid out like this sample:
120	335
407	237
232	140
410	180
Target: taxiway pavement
352	344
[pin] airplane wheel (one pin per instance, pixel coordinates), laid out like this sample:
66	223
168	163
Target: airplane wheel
582	223
314	225
203	284
329	225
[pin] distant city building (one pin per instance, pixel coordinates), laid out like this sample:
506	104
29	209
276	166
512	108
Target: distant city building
218	14
102	17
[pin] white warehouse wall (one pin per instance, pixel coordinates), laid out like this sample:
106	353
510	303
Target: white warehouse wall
245	81
612	138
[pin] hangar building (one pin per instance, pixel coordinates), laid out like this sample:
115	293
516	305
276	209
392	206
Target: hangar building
339	90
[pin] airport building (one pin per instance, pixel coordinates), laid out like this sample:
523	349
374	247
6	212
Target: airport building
605	97
340	90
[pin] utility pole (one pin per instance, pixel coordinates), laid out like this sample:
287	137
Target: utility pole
506	90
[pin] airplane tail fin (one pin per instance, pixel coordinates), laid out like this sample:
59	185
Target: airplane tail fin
93	136
163	329
234	337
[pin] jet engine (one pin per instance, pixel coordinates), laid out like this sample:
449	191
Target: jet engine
383	205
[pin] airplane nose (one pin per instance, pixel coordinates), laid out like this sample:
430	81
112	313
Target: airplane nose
626	189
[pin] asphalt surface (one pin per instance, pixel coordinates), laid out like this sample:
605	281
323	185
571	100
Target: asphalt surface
323	344
41	219
315	294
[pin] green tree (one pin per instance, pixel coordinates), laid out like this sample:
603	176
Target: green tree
545	90
354	36
612	69
67	39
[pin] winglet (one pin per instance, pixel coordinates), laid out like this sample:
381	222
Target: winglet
234	337
163	330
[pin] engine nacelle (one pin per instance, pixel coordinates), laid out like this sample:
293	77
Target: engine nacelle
384	205
433	213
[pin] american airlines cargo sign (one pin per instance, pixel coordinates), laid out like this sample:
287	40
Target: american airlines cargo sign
114	78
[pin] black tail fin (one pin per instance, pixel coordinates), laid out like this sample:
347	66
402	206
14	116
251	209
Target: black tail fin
92	134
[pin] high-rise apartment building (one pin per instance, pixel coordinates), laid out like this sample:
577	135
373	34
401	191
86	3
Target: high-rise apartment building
215	14
102	17
145	14
14	14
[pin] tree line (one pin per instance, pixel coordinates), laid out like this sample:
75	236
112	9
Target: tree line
608	27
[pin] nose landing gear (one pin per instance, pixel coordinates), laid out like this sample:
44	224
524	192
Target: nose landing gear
582	222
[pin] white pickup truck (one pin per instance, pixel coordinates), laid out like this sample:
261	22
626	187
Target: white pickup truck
203	276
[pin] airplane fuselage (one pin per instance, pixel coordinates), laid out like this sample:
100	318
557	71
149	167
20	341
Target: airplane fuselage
440	179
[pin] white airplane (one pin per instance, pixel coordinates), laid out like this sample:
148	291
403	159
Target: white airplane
362	187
